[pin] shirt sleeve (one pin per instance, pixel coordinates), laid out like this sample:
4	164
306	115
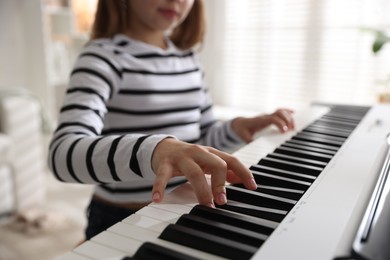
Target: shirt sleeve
77	151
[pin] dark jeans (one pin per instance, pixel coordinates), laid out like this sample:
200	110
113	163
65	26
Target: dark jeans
101	216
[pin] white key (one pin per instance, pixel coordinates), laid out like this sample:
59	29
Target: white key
159	214
145	235
97	251
72	256
122	243
175	208
146	222
186	250
132	231
184	195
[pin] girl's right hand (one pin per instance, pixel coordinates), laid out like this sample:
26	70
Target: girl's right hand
172	158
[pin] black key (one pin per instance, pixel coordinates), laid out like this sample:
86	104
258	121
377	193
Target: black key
320	140
222	230
291	166
331	132
313	144
206	242
351	116
303	147
257	225
150	251
263	178
342	118
322	126
259	198
304	154
287	193
282	173
293	194
293	158
328	123
337	123
322	136
275	215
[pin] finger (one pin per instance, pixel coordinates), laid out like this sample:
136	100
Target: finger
279	123
286	116
217	168
218	179
246	136
238	168
196	177
231	177
163	175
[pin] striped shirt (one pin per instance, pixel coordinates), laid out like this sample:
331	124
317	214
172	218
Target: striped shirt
125	96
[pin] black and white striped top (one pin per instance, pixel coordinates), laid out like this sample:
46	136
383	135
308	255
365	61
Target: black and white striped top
125	96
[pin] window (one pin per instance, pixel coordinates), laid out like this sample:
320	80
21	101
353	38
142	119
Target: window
293	52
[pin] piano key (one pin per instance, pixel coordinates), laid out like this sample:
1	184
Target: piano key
314	129
327	125
159	214
145	222
341	124
323	136
98	251
322	127
313	144
261	226
291	166
292	158
119	242
303	154
206	242
275	215
133	231
351	115
320	140
72	256
279	181
144	235
287	193
342	118
151	251
174	208
320	123
259	198
222	230
282	173
308	148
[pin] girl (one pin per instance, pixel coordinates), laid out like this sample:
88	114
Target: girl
137	118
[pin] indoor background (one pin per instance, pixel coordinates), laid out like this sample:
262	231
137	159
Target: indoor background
258	55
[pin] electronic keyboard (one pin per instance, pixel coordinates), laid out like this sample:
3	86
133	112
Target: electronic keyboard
322	194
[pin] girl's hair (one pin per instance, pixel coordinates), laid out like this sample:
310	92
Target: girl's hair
111	19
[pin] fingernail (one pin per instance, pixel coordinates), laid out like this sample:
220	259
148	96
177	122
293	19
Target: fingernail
222	198
211	205
285	128
252	184
156	197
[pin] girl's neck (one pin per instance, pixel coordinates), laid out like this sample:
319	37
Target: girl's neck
155	38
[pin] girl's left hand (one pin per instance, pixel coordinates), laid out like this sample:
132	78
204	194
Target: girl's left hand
246	128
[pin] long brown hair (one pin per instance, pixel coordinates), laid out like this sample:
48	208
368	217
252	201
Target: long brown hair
111	19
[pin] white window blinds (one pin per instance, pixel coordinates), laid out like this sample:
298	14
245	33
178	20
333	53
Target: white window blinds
292	52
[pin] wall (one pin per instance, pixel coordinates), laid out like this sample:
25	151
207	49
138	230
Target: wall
22	49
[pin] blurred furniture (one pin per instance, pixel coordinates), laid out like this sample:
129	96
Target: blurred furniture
22	159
